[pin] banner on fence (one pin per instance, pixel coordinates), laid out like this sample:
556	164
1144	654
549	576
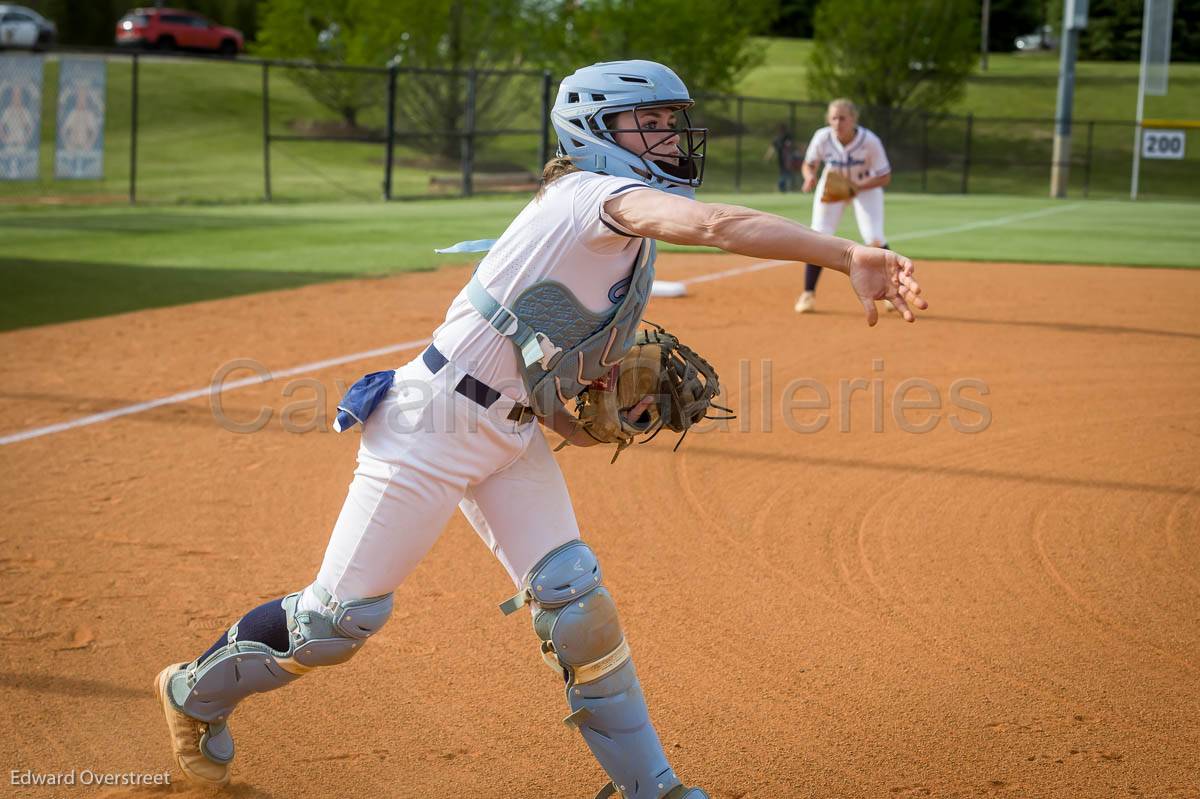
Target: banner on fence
20	115
79	153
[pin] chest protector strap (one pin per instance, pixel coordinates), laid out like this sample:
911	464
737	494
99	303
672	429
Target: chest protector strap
561	345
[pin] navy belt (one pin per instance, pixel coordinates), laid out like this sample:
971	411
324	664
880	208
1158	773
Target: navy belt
477	391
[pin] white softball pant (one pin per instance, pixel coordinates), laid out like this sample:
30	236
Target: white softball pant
868	212
425	450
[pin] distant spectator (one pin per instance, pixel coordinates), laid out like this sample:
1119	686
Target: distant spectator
783	147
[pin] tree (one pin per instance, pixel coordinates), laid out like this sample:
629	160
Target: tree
1010	19
1114	31
563	35
795	19
330	33
1185	43
461	36
898	57
707	42
447	37
450	38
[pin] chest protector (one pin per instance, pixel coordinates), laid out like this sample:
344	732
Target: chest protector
561	345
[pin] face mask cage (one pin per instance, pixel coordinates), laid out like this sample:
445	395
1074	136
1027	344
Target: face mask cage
687	150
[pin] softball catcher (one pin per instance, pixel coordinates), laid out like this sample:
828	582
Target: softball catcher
546	330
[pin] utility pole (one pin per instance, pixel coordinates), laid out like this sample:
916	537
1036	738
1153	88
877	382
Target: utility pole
1074	20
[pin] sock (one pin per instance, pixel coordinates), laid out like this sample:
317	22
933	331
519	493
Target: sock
811	273
266	624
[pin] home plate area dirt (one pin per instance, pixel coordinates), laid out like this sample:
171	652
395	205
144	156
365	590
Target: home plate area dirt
979	577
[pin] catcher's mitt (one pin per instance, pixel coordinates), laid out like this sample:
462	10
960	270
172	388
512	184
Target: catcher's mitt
659	383
837	188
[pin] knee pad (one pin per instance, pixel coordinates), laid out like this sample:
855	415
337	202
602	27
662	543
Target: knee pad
582	639
272	646
573	614
576	620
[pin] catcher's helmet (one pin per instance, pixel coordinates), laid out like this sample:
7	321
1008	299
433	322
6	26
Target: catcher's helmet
583	117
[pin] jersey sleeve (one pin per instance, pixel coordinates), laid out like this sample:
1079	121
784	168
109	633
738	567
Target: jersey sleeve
879	161
814	152
597	230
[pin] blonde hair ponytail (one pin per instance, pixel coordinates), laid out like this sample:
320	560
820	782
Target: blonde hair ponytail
555	168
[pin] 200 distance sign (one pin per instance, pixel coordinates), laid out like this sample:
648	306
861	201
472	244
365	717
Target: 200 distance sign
1163	144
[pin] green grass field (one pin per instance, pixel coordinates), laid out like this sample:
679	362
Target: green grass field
202	232
62	264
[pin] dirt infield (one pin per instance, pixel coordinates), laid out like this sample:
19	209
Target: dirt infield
1008	612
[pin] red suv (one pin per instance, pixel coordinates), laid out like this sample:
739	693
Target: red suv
171	28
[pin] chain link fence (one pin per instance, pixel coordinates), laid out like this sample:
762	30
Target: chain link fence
186	128
195	129
945	153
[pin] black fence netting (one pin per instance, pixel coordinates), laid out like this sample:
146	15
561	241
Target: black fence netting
184	128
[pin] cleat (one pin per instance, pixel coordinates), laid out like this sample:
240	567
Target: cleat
186	735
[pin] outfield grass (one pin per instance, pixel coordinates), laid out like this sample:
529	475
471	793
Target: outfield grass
61	264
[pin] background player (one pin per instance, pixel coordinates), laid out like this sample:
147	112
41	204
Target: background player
846	147
454	428
782	149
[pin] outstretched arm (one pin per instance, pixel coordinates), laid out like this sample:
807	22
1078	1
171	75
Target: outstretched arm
875	274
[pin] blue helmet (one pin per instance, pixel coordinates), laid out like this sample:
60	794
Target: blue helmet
584	119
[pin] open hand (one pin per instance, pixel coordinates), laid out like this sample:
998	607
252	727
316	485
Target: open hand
877	274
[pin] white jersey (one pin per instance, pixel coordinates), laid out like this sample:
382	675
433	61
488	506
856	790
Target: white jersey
565	236
861	159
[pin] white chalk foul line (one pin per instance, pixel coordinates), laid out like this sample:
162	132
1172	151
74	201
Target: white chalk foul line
741	270
996	222
186	396
917	234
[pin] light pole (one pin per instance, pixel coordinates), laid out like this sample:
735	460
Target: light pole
1074	20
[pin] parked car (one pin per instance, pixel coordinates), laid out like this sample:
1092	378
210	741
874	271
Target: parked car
175	29
1041	39
24	27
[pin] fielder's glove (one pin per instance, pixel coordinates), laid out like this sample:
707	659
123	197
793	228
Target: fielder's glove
837	188
663	382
